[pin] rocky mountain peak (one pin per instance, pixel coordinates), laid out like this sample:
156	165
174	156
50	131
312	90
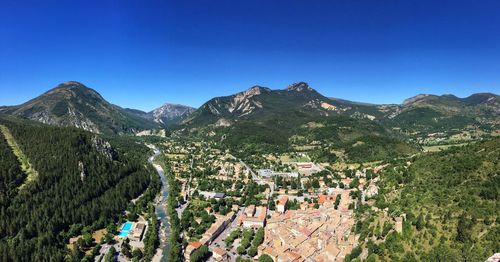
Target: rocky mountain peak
300	86
71	84
415	98
169	111
254	90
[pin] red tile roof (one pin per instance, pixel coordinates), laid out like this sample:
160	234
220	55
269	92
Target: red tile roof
196	244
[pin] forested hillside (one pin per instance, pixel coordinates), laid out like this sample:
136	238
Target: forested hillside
360	139
450	200
82	180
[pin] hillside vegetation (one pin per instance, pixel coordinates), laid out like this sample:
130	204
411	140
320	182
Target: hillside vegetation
362	140
83	180
450	199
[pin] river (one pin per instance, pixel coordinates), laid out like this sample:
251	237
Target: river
161	213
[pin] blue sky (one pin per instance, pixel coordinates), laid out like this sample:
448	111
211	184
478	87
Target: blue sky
141	54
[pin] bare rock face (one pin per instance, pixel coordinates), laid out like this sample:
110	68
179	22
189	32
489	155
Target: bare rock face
243	104
223	123
169	112
414	99
104	147
299	87
83	172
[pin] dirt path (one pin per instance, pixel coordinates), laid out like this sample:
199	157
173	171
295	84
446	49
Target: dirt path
23	159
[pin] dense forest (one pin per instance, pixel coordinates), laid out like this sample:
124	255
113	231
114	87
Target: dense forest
450	201
82	180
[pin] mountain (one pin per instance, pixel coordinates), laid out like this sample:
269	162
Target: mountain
260	103
74	104
170	113
434	113
261	119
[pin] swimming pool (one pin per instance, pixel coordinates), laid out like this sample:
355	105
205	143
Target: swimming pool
125	229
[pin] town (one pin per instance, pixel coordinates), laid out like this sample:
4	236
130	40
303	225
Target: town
283	208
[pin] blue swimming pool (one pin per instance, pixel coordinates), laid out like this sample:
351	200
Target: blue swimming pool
123	234
127	226
125	229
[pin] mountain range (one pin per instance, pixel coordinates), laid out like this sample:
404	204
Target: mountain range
417	113
74	104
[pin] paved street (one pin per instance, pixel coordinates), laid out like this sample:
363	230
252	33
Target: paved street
218	242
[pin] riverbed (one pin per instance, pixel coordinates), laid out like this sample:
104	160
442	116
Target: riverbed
161	213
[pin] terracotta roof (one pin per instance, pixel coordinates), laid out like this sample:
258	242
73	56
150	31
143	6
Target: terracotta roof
219	251
323	198
283	200
293	255
196	244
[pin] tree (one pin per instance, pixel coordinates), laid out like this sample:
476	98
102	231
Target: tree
76	253
463	229
354	253
199	254
137	253
241	250
272	205
110	256
265	258
108	238
87	239
126	248
258	238
315	183
337	201
372	258
252	251
420	222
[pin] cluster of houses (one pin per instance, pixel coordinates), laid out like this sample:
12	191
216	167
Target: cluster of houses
322	234
304	168
253	217
210	235
268	173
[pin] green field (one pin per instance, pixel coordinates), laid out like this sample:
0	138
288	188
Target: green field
437	148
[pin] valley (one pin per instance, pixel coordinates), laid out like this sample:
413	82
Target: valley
261	175
250	131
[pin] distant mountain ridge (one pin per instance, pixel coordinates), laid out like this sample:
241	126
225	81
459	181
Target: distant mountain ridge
474	99
170	113
73	104
425	112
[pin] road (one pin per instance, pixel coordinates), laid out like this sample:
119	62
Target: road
218	241
255	177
